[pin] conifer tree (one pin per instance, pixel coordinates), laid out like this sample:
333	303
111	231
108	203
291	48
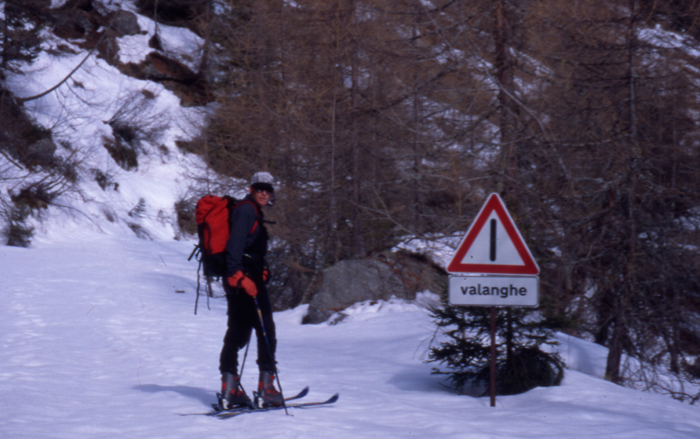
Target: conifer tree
626	189
522	360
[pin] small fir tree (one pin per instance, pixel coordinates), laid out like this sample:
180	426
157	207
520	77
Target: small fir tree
16	231
521	364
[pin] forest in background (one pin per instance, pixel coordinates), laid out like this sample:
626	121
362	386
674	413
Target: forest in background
389	120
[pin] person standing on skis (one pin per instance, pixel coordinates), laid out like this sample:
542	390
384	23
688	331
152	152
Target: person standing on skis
246	294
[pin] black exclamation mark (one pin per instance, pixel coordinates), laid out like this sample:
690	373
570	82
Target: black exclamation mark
492	250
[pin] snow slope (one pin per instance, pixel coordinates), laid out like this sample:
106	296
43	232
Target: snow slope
78	114
97	343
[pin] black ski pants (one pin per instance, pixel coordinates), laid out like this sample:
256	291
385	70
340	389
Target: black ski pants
242	319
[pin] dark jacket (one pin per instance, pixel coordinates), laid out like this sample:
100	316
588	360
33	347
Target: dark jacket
247	242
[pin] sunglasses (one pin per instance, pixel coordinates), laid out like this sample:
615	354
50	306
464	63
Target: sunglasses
270	192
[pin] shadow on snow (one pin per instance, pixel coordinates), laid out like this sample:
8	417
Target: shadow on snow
205	396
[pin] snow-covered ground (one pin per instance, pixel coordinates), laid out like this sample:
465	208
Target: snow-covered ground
98	343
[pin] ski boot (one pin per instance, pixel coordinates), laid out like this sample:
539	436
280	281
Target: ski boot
267	395
232	394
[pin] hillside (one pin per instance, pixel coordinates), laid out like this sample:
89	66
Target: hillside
112	162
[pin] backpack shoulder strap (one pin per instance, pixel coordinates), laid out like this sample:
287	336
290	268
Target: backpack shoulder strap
257	212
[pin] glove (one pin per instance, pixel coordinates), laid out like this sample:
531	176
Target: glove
240	280
266	274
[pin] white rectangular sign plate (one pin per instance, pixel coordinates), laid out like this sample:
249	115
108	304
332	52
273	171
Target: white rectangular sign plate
494	290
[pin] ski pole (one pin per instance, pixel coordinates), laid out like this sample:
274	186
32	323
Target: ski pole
269	351
240	376
245	355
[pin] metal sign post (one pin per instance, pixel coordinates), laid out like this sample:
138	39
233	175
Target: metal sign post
493	356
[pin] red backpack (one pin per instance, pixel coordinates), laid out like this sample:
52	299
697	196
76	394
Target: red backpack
212	215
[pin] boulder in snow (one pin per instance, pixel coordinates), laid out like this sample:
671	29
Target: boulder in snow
381	277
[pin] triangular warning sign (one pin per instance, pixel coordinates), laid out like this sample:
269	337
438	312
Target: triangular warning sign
493	245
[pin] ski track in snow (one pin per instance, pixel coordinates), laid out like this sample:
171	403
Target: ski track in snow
97	343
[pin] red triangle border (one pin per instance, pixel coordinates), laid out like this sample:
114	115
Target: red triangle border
493	203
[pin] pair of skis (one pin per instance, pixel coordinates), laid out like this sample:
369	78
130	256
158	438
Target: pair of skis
236	411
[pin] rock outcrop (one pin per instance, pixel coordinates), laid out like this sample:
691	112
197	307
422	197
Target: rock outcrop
382	277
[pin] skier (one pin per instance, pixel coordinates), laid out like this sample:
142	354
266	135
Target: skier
247	274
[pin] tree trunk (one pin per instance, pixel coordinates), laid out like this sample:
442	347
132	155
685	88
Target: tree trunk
614	360
357	238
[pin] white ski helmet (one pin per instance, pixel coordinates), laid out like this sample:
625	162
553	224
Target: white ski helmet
264	180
